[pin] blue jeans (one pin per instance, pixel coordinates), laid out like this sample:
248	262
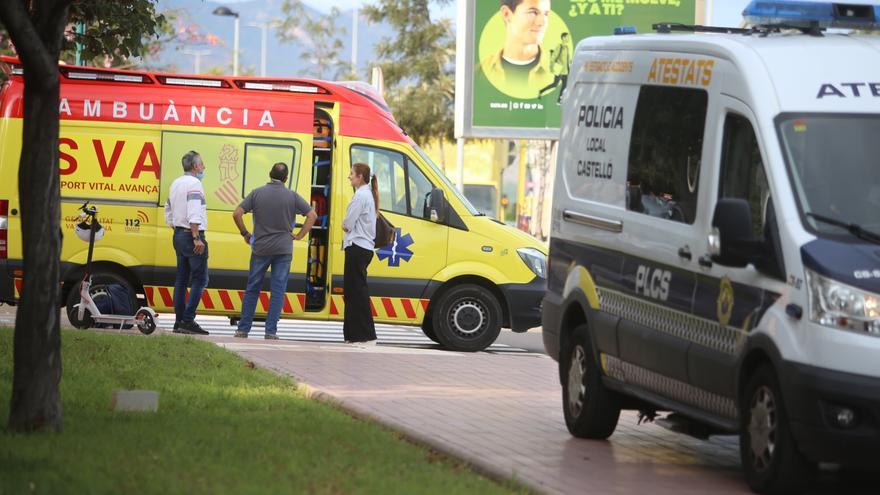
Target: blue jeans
278	285
191	268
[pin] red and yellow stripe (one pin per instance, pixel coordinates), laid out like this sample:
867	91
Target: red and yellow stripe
223	301
410	310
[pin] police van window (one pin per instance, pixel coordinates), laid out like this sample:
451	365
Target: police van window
235	164
259	159
419	189
389	169
742	170
665	150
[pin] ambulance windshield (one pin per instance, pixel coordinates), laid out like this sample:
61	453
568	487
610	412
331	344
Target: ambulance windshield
467	204
835	170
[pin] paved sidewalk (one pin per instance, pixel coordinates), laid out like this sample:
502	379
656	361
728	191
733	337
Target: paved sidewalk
501	412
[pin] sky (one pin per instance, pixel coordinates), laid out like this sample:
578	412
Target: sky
727	13
724	12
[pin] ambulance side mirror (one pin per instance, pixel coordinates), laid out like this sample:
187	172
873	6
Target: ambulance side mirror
732	242
437	206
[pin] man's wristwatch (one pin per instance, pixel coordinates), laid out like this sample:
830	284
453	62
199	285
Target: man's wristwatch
245	233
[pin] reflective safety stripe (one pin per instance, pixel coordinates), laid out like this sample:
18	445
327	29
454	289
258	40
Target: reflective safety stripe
206	300
410	310
223	300
389	309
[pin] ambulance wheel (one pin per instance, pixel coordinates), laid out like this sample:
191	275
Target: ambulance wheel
770	457
467	318
590	409
146	322
98	290
428	329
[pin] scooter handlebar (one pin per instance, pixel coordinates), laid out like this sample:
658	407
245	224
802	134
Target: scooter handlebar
89	209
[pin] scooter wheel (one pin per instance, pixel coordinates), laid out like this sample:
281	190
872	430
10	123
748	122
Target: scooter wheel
85	323
145	321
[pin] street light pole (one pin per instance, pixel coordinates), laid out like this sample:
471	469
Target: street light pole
235	47
264	29
226	11
197	54
354	40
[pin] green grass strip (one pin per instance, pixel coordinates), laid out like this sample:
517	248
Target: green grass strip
222	427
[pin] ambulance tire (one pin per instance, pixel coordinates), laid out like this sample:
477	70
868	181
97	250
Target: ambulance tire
99	281
590	409
770	458
467	318
428	329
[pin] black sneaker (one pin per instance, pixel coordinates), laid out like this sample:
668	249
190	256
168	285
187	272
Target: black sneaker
190	327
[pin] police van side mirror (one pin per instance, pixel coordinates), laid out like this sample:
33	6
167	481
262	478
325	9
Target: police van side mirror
437	205
732	242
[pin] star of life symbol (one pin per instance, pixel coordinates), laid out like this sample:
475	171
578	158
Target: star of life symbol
397	250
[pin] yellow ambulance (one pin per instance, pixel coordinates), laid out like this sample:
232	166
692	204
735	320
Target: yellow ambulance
459	275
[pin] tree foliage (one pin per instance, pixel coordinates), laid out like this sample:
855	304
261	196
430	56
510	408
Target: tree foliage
109	33
418	65
319	37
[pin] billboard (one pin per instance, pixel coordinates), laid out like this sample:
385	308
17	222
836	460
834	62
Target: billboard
513	57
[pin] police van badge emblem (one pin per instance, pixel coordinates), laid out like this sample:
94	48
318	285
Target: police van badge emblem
724	305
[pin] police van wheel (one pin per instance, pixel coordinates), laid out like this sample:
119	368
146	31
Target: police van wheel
98	290
770	457
467	318
590	409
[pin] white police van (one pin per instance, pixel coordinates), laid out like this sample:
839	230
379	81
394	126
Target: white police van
715	246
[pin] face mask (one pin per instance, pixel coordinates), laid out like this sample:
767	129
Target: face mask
200	175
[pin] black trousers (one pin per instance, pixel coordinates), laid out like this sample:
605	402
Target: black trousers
358	325
557	80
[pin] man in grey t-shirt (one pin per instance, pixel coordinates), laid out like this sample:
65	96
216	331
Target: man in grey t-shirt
275	208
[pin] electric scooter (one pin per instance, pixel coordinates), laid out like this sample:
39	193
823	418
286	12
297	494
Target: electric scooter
87	312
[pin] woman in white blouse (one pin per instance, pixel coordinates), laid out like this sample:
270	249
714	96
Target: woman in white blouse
360	233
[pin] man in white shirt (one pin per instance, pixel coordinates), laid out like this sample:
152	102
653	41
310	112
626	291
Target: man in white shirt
186	212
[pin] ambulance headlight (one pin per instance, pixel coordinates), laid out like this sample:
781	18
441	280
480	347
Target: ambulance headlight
837	305
535	260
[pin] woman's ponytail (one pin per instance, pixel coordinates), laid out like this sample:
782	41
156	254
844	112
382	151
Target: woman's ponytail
374	187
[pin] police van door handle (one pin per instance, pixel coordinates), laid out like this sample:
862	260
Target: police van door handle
685	253
600	223
705	261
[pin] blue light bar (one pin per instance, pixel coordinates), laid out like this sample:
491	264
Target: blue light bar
624	30
805	14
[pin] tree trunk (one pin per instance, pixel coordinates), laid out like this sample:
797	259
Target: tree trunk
36	398
36	376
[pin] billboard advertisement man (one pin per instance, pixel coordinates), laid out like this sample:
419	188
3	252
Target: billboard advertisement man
521	63
508	84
